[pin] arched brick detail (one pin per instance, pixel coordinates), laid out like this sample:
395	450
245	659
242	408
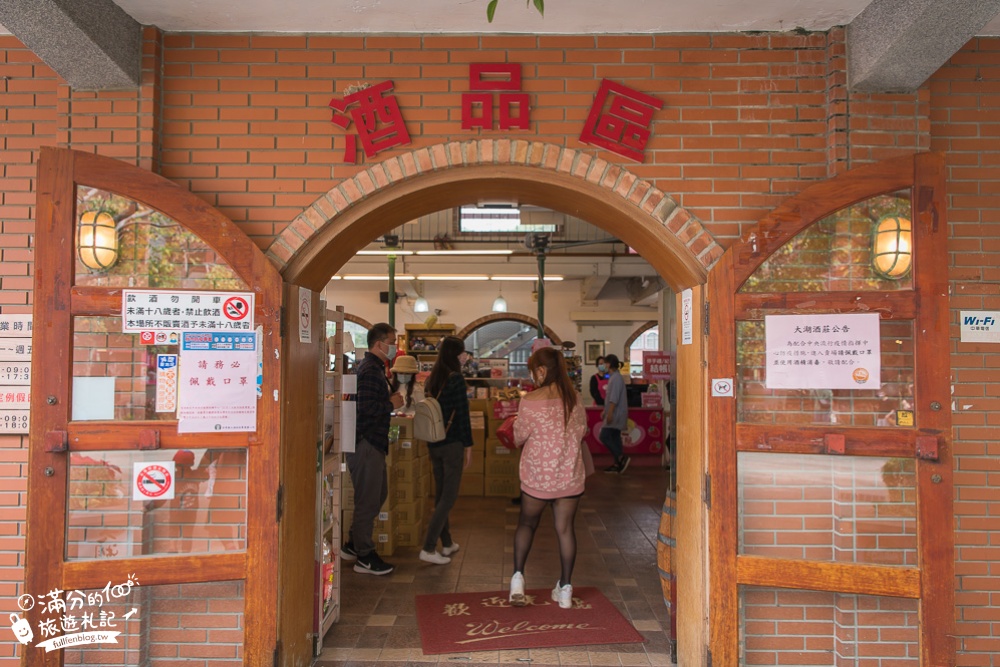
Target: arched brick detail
389	193
357	320
499	317
643	328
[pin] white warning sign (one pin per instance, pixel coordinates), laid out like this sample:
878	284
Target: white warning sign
153	481
160	310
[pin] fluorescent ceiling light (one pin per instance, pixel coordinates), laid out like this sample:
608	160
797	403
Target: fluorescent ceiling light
526	278
385	252
453	277
334	277
370	277
465	252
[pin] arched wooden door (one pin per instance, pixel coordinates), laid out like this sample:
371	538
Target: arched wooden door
831	525
205	560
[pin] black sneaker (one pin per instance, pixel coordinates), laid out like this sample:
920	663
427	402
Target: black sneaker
372	564
614	467
347	553
623	464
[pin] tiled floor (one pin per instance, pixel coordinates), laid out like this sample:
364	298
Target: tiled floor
617	529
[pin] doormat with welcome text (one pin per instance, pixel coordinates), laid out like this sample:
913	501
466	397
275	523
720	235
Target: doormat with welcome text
463	622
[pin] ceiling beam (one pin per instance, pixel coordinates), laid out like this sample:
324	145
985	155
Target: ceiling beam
590	288
92	45
896	45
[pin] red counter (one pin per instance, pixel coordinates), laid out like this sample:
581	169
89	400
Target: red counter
645	433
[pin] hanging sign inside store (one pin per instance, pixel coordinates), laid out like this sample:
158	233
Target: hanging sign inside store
153	481
305	315
498	368
656	365
165	311
217	389
823	351
15	373
980	326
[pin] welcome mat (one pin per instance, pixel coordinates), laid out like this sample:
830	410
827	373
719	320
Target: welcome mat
461	622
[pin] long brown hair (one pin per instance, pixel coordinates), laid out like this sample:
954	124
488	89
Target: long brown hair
552	361
446	365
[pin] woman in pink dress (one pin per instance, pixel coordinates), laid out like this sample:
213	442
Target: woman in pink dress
550	426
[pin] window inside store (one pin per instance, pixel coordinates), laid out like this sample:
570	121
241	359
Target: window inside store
504	339
648	340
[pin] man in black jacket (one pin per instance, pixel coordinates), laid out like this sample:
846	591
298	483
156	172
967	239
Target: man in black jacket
366	464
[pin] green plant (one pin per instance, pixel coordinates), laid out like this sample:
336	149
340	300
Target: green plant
491	8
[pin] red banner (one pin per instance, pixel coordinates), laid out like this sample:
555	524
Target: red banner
645	432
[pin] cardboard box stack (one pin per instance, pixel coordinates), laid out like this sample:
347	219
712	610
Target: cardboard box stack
472	477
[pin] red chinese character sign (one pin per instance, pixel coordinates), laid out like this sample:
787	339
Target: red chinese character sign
620	120
656	365
504	78
378	121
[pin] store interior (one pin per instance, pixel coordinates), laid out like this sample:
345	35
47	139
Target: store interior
498	275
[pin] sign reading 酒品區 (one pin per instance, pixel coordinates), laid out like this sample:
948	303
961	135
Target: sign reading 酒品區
160	310
831	351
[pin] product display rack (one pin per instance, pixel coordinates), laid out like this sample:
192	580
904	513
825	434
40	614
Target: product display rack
328	469
420	339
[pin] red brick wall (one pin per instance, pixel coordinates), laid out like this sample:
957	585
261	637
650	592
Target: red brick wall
965	124
748	121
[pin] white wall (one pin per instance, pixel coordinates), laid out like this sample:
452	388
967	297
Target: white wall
463	302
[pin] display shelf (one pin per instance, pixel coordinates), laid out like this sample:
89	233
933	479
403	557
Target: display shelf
328	483
422	339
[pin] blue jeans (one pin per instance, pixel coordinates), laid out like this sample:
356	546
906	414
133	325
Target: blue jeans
612	439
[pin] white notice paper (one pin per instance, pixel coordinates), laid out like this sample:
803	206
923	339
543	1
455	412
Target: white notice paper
687	325
217	391
823	351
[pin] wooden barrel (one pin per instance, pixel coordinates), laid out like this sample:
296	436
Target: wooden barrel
665	544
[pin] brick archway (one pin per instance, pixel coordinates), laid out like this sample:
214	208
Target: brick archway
376	200
500	317
643	328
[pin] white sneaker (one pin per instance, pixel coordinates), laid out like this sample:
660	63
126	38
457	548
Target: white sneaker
434	557
447	551
563	595
517	598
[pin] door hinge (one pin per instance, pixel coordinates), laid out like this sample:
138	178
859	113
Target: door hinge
706	492
277	654
282	314
707	318
280	502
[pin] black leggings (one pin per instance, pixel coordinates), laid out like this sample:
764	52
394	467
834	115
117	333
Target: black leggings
564	512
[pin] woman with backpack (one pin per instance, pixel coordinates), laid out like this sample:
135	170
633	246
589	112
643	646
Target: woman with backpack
452	454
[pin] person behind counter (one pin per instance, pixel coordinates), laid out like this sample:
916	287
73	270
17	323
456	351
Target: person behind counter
366	463
451	455
615	416
405	382
550	425
599	381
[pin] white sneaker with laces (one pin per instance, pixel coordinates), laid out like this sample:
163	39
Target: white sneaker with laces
447	551
517	598
563	595
434	557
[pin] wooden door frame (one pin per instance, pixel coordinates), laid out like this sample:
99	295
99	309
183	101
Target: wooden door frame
56	302
924	175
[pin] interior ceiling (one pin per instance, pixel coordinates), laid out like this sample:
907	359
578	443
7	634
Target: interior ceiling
469	16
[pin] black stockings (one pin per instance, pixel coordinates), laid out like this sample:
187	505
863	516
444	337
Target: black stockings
564	512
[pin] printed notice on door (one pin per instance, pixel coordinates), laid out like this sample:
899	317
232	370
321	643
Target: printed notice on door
823	351
217	388
150	311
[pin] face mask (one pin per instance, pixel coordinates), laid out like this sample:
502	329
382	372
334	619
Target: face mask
404	378
602	368
390	351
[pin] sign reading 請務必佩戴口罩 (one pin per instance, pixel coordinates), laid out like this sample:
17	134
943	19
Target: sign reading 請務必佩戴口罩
823	351
163	310
217	389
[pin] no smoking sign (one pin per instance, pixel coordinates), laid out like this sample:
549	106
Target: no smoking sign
153	481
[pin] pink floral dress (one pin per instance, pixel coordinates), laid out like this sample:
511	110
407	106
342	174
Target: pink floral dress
552	460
